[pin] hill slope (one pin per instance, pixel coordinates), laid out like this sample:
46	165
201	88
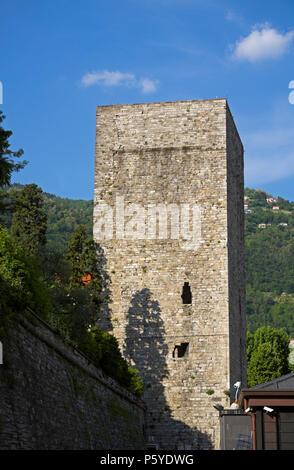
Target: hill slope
269	239
63	216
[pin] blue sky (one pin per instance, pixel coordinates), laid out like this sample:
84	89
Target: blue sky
60	59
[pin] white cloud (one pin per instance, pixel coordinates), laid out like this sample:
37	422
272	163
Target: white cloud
263	43
147	85
107	78
117	78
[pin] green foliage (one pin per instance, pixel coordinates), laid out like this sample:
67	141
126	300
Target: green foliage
111	359
77	254
269	262
63	216
55	267
82	253
267	355
75	305
20	279
102	348
268	256
7	163
29	222
136	383
72	310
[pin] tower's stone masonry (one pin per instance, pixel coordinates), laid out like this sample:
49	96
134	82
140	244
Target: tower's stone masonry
176	305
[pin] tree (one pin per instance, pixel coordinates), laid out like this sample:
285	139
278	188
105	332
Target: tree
82	254
29	222
75	285
21	285
75	305
103	349
267	355
73	311
7	163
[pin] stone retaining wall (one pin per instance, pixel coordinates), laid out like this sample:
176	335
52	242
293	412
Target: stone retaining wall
52	397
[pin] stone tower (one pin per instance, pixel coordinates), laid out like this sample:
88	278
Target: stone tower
168	214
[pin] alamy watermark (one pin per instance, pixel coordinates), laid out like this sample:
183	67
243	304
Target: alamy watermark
154	221
291	94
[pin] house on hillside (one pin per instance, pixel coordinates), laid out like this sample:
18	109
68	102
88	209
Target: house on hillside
270	200
275	208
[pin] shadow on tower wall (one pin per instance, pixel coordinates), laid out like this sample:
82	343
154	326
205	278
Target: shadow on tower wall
145	349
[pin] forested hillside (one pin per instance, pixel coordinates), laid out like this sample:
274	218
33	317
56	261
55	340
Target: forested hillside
63	216
269	238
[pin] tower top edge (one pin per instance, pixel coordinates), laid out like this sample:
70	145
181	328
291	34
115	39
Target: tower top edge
159	103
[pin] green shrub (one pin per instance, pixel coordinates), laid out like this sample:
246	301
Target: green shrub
102	348
20	280
68	309
267	355
136	383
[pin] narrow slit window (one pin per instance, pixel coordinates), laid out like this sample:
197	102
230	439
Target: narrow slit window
180	350
187	294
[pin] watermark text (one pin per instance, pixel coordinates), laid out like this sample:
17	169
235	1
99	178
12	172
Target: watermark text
131	221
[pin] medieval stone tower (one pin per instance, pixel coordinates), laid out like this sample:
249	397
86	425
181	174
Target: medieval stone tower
168	214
